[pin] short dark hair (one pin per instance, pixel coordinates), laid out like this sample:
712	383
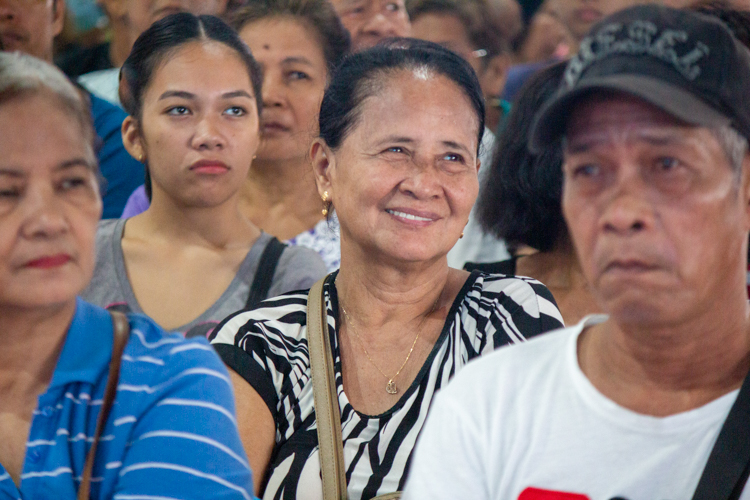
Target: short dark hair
738	21
521	201
361	75
316	14
160	41
481	20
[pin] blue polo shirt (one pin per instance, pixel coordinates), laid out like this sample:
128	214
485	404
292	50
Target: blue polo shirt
172	432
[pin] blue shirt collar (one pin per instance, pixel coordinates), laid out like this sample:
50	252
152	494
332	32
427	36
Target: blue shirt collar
87	348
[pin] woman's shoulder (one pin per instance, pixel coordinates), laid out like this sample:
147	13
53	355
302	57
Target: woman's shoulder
490	291
281	317
299	268
166	353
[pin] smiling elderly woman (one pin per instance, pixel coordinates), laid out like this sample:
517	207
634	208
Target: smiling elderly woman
59	359
400	130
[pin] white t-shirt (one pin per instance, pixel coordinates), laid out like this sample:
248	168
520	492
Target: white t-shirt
526	419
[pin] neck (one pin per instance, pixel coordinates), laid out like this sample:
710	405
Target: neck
220	226
283	181
378	293
277	192
120	45
665	369
38	331
559	268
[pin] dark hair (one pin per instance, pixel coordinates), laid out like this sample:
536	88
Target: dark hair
361	75
316	14
481	20
521	200
160	41
738	21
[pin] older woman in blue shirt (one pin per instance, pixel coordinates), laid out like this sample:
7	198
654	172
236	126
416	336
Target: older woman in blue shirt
171	432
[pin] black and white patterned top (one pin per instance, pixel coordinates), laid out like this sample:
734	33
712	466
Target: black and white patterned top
267	346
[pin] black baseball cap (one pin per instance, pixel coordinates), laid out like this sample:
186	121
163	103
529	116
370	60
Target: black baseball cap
685	63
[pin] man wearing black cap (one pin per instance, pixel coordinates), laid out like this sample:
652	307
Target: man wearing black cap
647	403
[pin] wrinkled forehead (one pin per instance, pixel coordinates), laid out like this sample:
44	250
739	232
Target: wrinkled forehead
602	117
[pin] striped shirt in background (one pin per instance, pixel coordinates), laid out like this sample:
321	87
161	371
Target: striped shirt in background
172	432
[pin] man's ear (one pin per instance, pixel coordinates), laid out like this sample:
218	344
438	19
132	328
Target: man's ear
58	16
132	140
323	163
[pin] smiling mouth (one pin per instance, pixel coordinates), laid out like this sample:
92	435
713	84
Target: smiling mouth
408	216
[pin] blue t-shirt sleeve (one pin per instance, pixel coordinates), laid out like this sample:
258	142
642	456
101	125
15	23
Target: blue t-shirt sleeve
185	444
122	173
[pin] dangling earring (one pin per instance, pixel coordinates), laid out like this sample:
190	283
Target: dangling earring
325	204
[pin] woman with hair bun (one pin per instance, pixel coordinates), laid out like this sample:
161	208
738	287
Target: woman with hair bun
400	128
192	91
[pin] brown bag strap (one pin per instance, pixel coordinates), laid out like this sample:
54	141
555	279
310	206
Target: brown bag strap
327	411
121	329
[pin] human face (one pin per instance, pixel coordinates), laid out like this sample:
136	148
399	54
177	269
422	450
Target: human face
294	80
580	15
447	30
30	26
656	213
143	13
404	180
198	129
49	204
370	21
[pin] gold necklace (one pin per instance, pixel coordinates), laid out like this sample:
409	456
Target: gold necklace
390	387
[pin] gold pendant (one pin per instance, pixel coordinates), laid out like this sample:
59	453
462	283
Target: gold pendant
391	388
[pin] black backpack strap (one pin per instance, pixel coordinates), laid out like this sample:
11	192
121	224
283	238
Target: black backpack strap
269	259
726	471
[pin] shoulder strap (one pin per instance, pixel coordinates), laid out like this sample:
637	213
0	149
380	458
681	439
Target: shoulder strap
121	329
269	259
726	471
327	411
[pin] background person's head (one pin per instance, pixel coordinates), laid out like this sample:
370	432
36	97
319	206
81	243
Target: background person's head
400	129
130	18
474	30
297	43
521	201
50	203
580	15
657	176
370	21
192	91
30	26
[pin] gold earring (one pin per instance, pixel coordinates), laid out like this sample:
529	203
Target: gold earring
325	204
462	235
140	157
255	156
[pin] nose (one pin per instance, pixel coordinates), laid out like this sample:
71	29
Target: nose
630	209
379	25
422	182
208	134
43	215
272	91
6	12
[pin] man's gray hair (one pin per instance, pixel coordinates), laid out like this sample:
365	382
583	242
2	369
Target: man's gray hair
735	146
22	74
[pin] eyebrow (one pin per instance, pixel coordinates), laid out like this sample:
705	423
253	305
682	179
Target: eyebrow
68	164
596	139
297	60
190	96
408	140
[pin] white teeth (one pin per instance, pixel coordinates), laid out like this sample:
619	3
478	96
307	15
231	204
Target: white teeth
408	216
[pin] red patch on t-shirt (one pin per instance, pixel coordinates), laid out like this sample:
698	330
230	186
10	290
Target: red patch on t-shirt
538	494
